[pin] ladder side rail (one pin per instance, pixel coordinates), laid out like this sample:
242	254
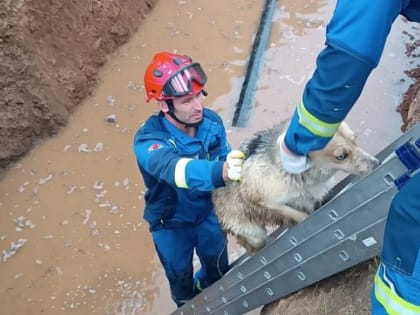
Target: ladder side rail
227	284
299	262
413	132
216	294
385	205
280	287
322	219
254	265
367	188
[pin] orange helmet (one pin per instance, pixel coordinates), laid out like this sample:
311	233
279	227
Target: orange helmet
170	75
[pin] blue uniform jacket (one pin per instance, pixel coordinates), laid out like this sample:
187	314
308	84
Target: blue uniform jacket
159	146
356	37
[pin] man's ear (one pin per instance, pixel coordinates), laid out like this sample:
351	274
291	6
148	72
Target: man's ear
163	106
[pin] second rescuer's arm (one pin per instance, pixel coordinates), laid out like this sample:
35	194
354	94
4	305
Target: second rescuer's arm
356	36
163	162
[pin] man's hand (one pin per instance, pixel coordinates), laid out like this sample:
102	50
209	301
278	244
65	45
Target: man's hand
233	164
292	163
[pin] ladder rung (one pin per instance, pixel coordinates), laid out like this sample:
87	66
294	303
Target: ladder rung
344	232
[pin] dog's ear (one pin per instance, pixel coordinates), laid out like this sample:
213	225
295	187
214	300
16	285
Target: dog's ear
346	131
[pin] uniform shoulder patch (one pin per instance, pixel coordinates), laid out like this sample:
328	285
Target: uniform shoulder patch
154	146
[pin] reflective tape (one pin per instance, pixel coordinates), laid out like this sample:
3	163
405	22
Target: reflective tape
313	124
180	171
391	301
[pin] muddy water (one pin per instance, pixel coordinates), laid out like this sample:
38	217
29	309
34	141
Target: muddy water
72	208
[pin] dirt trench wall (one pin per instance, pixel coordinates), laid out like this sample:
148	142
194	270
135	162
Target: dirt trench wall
50	54
410	106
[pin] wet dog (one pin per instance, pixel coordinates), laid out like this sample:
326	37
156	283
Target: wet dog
267	195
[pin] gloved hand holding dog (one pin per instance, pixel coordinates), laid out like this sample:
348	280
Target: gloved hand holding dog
292	163
234	161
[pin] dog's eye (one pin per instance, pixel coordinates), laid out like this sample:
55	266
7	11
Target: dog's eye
342	156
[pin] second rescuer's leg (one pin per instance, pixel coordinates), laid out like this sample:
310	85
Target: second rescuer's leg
397	286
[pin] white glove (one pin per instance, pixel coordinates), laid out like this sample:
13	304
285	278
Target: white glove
292	163
234	160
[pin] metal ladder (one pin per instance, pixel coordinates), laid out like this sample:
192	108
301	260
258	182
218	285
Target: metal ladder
344	232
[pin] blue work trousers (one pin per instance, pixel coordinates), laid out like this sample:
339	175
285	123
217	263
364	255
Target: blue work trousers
400	257
175	248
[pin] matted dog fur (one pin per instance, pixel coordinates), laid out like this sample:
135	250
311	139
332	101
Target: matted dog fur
267	195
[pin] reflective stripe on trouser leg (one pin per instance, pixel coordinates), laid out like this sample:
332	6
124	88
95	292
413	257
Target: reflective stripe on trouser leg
403	228
387	296
397	284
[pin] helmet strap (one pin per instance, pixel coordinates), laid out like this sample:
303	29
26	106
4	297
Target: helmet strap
171	112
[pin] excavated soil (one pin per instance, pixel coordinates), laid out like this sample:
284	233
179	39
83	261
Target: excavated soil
50	55
410	106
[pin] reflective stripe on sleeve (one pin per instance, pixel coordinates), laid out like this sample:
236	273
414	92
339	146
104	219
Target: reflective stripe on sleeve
180	170
313	124
391	301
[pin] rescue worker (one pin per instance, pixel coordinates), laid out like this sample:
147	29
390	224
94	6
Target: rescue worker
181	153
355	40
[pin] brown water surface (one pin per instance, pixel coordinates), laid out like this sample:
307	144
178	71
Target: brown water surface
72	208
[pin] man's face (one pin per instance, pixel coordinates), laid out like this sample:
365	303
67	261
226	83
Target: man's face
189	109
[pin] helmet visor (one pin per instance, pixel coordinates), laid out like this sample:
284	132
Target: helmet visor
181	83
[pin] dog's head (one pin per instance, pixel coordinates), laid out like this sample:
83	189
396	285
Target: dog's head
342	153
